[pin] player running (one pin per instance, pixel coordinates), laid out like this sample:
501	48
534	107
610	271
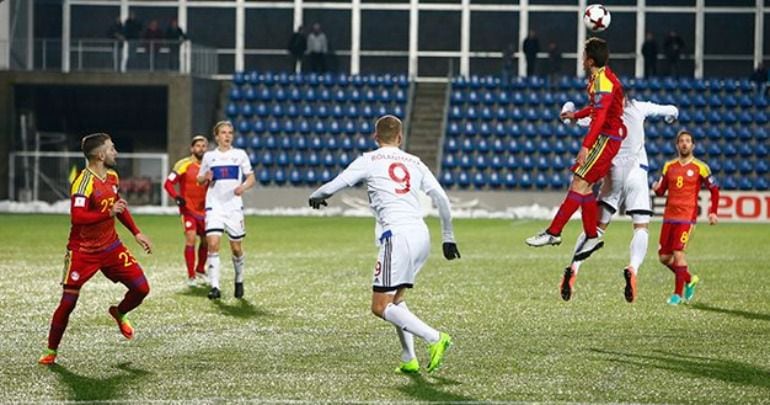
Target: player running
392	178
682	178
191	200
228	173
601	144
94	245
627	185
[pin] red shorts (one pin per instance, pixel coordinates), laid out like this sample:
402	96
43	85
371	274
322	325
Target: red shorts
599	160
674	237
194	222
115	262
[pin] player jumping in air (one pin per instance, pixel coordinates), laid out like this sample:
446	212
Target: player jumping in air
392	178
682	178
601	144
626	185
191	200
228	173
94	245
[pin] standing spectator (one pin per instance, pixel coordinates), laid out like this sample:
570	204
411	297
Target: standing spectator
153	37
531	47
297	47
509	57
153	32
554	62
115	32
317	48
650	54
132	27
673	48
174	32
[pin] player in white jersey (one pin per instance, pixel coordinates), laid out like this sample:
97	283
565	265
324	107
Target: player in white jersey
228	172
393	178
626	184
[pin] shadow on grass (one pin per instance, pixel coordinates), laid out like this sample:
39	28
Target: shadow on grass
99	389
428	389
754	316
241	309
194	292
726	370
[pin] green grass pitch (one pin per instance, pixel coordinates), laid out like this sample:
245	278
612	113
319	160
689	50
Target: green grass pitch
305	333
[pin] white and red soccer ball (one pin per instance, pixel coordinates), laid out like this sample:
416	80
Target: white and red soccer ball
596	18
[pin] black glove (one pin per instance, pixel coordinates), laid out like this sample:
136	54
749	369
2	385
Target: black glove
316	203
450	251
180	202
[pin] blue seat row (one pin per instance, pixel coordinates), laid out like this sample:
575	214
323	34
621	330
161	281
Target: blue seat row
311	95
313	79
502	98
290	110
295	176
284	159
508	180
512	145
509	129
301	142
507	161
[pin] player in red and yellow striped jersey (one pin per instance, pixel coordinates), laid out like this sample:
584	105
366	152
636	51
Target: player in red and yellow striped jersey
94	245
683	178
593	162
191	200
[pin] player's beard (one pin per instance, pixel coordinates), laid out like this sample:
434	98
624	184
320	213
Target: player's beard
199	156
110	164
685	154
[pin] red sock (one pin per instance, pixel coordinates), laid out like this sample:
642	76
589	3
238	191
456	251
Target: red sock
203	253
61	318
137	290
682	277
567	208
189	259
590	212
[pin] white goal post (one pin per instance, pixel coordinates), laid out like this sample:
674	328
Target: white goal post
46	176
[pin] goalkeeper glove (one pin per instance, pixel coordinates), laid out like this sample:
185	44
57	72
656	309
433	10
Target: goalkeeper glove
450	251
316	203
180	202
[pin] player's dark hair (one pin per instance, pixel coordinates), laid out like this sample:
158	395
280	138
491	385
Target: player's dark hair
198	138
682	133
387	128
90	143
597	50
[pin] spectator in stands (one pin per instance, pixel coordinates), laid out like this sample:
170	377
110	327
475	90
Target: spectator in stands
761	76
153	32
531	47
554	62
650	54
175	35
115	31
673	48
509	57
174	32
297	47
132	28
317	48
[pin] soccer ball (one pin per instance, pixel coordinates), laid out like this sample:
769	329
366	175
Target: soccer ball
596	18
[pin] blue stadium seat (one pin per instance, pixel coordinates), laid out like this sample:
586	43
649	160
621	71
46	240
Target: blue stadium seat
496	162
295	177
447	180
557	181
511	163
469	129
453	128
486	114
315	143
451	145
503	98
760	150
482	145
485	130
479	180
544	147
527	163
542	163
264	176
499	129
280	95
745	150
282	158
715	165
745	183
729	118
760	133
529	147
470	113
367	111
559	147
310	177
729	134
729	183
729	166
713	133
467	145
273	126
744	134
458	97
668	148
558	163
239	78
463	180
232	111
713	150
530	131
243	127
456	113
745	167
760	117
516	114
574	147
240	142
328	160
517	98
284	142
472	98
266	158
488	98
448	161
547	114
531	114
514	130
236	94
684	117
361	143
525	181
761	184
400	96
730	102
714	117
541	182
494	180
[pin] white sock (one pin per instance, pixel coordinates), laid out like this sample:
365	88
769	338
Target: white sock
238	263
406	338
578	243
409	322
213	270
638	247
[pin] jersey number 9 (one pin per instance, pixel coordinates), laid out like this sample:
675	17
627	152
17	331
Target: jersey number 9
401	177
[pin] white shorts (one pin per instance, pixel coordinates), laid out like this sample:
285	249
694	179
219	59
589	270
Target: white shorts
402	254
628	187
230	222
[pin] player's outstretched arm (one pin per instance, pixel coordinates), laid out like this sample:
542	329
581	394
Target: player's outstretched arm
354	173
